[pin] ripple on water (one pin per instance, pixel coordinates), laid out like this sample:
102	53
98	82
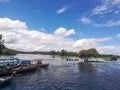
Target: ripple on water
63	75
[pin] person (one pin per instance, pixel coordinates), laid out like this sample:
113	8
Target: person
8	67
39	62
13	74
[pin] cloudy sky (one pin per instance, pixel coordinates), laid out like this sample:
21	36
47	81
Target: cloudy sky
44	25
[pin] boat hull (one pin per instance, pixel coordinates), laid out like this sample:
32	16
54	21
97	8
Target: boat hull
24	70
5	73
42	65
5	80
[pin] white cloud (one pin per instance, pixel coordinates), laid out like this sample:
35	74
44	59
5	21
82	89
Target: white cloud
117	12
109	49
104	15
6	24
96	43
109	23
42	29
99	9
61	10
106	5
85	43
85	20
64	32
118	36
90	42
103	39
18	36
116	2
112	23
4	1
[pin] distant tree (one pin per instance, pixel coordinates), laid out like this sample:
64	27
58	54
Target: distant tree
85	54
113	58
1	44
82	53
92	52
53	53
63	53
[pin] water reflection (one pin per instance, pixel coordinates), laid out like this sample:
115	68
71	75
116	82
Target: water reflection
4	86
69	75
86	66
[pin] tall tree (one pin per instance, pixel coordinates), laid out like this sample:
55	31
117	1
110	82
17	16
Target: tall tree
85	54
63	52
92	52
1	44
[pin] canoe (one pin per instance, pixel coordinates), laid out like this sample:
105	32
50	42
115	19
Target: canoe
24	69
5	73
42	65
4	80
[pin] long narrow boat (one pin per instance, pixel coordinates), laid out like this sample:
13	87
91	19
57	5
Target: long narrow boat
5	73
6	66
24	66
24	69
4	80
42	65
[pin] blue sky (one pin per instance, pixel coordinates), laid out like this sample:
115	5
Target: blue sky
81	23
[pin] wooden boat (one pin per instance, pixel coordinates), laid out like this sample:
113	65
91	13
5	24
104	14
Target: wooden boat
72	59
24	69
24	66
4	80
5	73
42	65
7	65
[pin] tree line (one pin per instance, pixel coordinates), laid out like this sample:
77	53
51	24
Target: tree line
90	53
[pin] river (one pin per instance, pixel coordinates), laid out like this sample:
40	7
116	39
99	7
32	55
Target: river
69	75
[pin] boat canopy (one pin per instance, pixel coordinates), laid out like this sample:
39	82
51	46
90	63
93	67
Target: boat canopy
3	61
25	61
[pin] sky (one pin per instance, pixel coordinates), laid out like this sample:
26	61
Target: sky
73	25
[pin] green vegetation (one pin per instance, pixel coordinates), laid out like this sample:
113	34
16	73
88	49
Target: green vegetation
90	53
93	53
4	50
62	53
